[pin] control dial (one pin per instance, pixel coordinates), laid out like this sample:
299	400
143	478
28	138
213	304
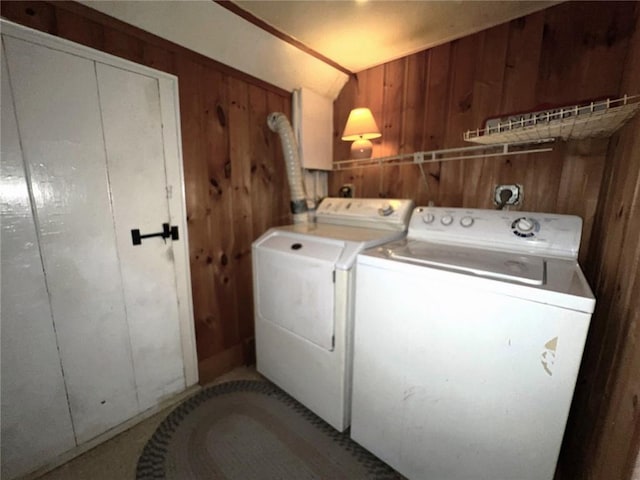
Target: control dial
428	218
525	227
466	221
446	220
525	224
385	210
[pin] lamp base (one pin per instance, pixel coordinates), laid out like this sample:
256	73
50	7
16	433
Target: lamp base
361	148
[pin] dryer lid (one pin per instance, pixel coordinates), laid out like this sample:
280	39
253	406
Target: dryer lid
513	267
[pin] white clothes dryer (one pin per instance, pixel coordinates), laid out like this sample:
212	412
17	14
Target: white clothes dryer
468	340
303	280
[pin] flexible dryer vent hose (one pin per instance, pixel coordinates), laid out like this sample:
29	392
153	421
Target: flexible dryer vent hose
278	123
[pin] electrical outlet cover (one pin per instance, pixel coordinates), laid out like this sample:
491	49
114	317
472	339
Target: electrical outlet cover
346	191
514	199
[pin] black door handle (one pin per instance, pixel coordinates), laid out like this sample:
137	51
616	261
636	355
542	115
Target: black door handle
167	232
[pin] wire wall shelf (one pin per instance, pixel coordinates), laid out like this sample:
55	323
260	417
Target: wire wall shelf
597	119
460	153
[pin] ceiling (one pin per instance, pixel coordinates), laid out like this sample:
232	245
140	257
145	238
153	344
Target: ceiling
358	34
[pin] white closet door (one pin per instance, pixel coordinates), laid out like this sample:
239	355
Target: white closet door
58	112
36	424
131	115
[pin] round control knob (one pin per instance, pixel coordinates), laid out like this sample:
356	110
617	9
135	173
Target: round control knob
428	218
446	220
525	224
466	221
385	210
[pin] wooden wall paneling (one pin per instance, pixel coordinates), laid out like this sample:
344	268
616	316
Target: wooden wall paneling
487	87
603	432
606	388
220	312
371	94
73	27
195	177
392	123
580	59
341	108
619	437
523	60
589	394
519	88
263	167
264	183
242	217
347	99
436	106
123	45
616	275
37	15
280	213
413	113
460	116
580	181
159	58
415	97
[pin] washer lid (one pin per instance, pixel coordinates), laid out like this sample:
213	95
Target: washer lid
514	267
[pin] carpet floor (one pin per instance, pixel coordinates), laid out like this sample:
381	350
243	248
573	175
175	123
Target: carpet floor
252	430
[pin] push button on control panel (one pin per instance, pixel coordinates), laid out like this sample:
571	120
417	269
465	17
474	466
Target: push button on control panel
446	220
428	218
466	221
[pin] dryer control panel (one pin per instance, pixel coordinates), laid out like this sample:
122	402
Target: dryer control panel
541	233
380	213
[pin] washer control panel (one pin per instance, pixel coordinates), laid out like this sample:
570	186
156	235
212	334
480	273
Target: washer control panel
542	233
380	213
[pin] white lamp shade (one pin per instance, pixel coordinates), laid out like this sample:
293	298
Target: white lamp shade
360	125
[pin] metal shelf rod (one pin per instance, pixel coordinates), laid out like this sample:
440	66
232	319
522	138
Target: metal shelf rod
479	151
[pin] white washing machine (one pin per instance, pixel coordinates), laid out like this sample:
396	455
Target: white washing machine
468	340
303	279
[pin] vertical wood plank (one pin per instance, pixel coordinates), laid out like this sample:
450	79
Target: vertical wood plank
598	47
240	156
123	45
220	237
262	165
195	175
341	149
73	27
460	115
280	213
371	95
522	63
487	87
413	115
436	113
393	120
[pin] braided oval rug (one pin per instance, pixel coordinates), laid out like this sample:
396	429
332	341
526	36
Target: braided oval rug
246	430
